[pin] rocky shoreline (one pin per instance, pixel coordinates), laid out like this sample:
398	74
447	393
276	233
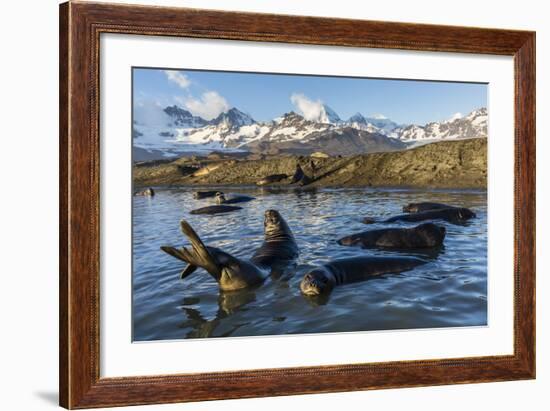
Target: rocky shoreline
445	164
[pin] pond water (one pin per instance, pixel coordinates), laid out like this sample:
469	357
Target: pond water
449	291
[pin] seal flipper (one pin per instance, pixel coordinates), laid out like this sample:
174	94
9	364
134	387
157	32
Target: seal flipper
182	255
174	252
190	269
201	254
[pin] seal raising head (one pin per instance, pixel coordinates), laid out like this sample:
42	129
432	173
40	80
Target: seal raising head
220	198
275	225
279	246
317	282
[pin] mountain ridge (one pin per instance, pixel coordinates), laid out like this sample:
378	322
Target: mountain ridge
233	130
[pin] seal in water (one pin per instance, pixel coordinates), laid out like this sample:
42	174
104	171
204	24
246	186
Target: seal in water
279	246
451	215
420	207
220	199
199	195
215	209
427	235
148	192
230	272
274	178
322	280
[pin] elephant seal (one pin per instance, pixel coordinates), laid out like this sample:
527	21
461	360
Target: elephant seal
220	199
230	272
148	192
204	171
427	235
279	246
451	215
215	209
322	280
425	206
274	178
199	195
300	177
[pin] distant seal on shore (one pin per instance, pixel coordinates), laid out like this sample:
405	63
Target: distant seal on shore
274	178
206	170
427	235
148	192
199	195
425	206
220	199
279	246
451	215
323	279
230	272
215	209
300	177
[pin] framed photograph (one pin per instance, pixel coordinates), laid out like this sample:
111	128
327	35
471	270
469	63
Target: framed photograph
260	205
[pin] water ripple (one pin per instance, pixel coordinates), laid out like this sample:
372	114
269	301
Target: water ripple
449	291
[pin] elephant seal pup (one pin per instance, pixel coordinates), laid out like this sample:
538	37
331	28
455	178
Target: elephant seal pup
148	192
220	199
279	246
274	178
300	177
322	280
215	209
420	207
427	235
451	215
199	195
230	272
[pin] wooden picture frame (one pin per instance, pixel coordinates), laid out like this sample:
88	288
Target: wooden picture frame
80	27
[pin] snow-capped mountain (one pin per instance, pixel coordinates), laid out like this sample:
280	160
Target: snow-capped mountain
328	115
232	118
377	123
178	131
293	133
457	127
183	118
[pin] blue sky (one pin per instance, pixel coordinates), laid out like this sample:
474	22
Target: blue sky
266	96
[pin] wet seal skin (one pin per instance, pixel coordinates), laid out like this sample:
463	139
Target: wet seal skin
230	272
199	195
221	199
278	250
322	280
148	192
427	235
279	246
451	215
424	206
274	178
215	209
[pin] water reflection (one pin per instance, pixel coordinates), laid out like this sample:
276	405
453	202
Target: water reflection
450	290
228	303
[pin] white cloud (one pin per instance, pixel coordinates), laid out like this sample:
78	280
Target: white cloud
150	112
208	106
310	109
180	79
456	116
379	116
